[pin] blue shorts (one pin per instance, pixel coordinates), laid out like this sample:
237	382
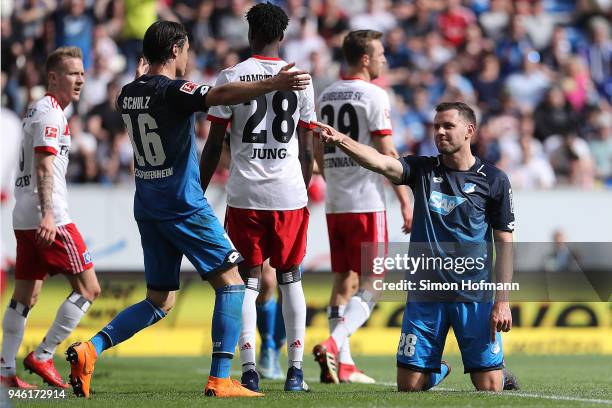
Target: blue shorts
199	237
424	329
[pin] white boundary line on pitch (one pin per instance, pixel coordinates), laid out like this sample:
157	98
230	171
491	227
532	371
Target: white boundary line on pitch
508	394
442	389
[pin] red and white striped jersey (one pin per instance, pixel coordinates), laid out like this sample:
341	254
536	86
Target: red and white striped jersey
360	110
265	172
45	129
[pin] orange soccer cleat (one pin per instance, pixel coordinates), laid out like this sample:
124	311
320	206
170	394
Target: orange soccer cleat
45	369
227	388
82	357
13	381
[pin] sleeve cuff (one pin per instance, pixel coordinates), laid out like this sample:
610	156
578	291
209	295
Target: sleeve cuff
45	149
381	132
218	120
306	125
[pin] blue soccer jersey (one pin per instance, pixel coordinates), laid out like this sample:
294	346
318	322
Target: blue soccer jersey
159	116
455	213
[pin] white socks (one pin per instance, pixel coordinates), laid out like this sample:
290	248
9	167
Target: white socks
246	342
334	319
294	313
13	326
66	320
356	314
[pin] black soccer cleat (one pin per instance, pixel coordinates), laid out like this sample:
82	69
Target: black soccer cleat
250	380
510	381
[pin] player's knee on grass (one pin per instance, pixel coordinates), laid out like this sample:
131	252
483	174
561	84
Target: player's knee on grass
410	381
488	380
162	299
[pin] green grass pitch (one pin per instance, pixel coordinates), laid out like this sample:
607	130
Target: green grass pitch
547	381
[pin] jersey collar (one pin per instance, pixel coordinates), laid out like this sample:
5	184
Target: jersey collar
261	57
475	166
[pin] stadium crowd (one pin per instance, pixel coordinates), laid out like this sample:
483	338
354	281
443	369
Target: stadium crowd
539	72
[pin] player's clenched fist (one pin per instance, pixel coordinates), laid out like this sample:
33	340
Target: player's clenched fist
288	80
501	318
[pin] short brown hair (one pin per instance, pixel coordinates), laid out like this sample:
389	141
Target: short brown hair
464	110
358	43
55	59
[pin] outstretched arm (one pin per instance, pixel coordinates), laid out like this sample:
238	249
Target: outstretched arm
384	145
233	93
366	156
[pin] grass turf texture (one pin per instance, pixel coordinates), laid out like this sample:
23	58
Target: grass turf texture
179	382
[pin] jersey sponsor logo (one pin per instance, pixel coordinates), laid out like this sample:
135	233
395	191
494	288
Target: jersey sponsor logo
189	87
469	188
51	132
444	204
438	179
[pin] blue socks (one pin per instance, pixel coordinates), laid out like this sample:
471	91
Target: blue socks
436	378
226	323
127	323
266	319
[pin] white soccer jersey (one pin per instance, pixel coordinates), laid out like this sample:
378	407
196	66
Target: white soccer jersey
45	129
265	173
361	110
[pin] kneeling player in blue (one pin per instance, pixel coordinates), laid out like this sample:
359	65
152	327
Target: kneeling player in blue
462	202
174	218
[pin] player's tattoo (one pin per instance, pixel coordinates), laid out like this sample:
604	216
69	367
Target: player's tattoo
45	192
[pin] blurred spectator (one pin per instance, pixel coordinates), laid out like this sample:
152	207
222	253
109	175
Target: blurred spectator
528	85
333	24
300	49
453	86
98	78
421	21
488	84
233	26
454	21
599	56
496	19
534	171
418	115
571	158
559	50
83	166
201	30
576	83
74	26
514	46
473	50
539	25
553	115
376	17
601	147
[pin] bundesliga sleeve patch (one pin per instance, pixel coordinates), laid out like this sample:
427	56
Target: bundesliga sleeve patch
51	132
189	87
